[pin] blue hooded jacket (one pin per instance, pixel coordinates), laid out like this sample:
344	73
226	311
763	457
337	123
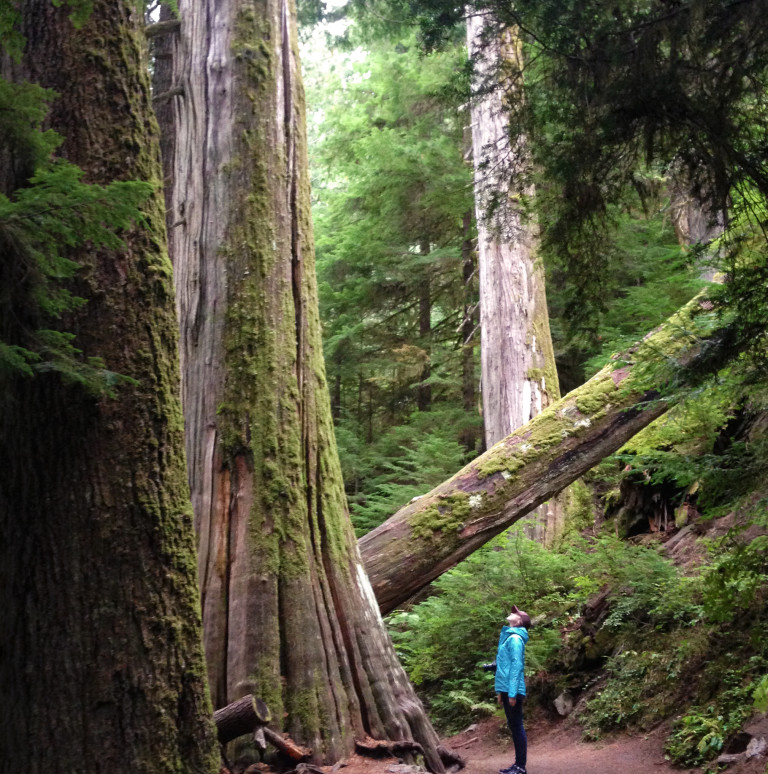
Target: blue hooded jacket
510	661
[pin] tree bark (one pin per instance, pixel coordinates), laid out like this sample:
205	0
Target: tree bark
424	390
518	372
101	664
538	460
287	608
518	366
468	329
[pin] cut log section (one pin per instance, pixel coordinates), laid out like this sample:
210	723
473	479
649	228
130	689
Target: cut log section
241	717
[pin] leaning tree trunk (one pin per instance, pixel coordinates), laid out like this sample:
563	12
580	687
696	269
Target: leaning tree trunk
101	660
288	611
519	377
434	532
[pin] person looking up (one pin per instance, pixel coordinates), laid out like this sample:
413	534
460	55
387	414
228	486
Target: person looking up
510	683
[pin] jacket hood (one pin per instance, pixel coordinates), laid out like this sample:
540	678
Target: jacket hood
519	630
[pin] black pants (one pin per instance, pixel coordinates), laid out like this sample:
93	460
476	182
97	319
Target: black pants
515	723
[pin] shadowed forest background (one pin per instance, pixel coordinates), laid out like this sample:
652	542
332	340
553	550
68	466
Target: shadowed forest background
479	318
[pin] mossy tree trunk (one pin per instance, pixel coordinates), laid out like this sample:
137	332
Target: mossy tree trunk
519	376
101	660
288	611
538	460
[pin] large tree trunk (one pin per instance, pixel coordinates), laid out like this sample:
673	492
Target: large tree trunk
538	460
468	330
101	661
518	365
288	611
519	376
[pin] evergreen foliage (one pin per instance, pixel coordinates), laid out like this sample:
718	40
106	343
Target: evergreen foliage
648	277
392	192
46	212
619	101
613	91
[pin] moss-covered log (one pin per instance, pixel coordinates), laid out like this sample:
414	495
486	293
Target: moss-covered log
101	662
287	609
434	532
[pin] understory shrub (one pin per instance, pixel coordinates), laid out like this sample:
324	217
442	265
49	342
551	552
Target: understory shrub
442	640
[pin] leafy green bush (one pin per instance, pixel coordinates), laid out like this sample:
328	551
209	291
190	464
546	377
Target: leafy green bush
735	582
701	734
443	639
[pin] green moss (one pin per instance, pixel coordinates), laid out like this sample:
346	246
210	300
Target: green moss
447	515
579	507
502	461
548	373
591	401
252	47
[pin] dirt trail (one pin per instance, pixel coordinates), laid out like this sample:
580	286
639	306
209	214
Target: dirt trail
553	748
558	749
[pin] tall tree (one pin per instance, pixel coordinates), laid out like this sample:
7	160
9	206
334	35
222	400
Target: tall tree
287	608
101	665
519	376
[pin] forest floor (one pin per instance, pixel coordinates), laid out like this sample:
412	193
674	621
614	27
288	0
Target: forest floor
557	748
553	748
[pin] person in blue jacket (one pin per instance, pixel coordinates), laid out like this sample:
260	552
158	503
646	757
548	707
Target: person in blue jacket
510	683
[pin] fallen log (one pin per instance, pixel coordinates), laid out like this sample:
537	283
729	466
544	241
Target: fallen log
434	532
241	717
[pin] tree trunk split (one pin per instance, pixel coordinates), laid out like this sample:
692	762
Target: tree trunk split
434	532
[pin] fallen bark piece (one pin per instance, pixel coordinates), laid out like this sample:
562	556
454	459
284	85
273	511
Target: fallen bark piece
287	746
384	748
240	717
467	743
306	768
758	746
434	532
453	761
259	739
